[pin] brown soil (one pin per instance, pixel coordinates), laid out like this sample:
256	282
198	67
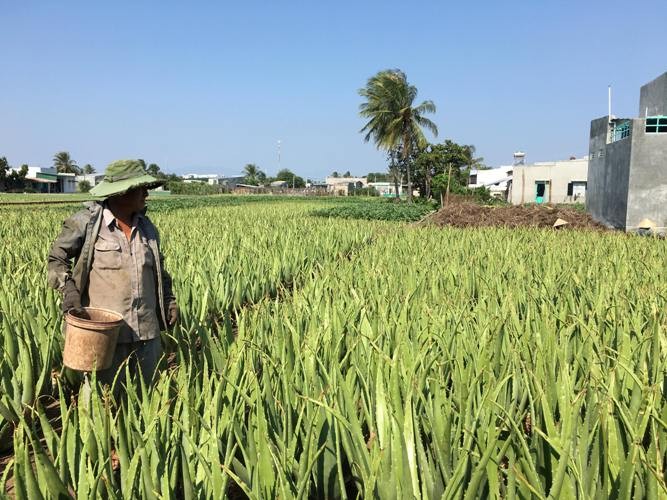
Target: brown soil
461	212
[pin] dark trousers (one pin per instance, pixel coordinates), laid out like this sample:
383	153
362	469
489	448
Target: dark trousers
142	358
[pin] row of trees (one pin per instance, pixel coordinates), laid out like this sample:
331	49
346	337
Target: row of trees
64	164
336	175
12	180
256	177
435	168
431	167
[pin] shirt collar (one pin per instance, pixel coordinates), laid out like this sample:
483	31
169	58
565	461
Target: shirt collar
109	218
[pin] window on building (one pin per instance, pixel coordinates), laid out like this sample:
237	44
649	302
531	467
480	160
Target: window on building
656	125
473	179
621	131
578	189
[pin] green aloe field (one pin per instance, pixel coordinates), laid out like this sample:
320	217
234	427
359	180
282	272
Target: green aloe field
336	358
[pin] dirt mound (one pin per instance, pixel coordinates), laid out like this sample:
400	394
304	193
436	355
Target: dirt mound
464	213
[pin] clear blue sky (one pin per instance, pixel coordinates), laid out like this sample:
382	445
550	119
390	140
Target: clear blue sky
210	86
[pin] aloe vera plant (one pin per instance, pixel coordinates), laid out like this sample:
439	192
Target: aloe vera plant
337	358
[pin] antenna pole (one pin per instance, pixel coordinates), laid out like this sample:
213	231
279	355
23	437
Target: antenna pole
279	154
609	100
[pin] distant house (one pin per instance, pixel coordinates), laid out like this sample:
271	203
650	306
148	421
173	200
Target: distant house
247	189
387	189
550	182
92	179
42	182
49	180
279	184
496	180
212	179
231	181
345	185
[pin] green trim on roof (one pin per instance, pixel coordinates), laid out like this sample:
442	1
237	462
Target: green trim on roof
51	177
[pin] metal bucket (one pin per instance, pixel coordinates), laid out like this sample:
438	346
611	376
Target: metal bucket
90	341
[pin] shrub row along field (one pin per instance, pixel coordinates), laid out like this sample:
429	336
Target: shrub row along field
339	358
377	210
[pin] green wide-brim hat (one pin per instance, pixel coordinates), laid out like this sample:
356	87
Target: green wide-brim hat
123	175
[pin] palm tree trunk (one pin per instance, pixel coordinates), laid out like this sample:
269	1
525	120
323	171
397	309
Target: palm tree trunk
406	159
449	176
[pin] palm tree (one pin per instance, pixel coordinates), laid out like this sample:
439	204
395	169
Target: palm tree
88	169
252	173
64	163
472	160
392	119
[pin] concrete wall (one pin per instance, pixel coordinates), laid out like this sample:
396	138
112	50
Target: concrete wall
343	185
608	174
596	179
93	179
558	173
653	96
67	183
648	177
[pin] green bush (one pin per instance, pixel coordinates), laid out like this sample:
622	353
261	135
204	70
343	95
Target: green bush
395	211
194	188
84	186
367	191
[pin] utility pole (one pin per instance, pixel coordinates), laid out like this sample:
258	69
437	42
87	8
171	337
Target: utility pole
279	142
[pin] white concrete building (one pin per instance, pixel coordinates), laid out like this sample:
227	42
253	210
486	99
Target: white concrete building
496	180
387	189
344	185
48	180
550	182
212	179
92	179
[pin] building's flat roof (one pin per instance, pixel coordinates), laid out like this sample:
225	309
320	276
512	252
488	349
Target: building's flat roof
543	163
43	181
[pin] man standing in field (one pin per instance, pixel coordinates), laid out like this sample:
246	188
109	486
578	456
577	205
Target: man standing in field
117	265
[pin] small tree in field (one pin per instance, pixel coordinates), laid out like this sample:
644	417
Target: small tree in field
84	186
4	170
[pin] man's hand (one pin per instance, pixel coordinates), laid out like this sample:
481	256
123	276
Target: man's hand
173	313
71	297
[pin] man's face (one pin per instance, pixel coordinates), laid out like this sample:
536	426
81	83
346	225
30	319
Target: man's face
135	199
